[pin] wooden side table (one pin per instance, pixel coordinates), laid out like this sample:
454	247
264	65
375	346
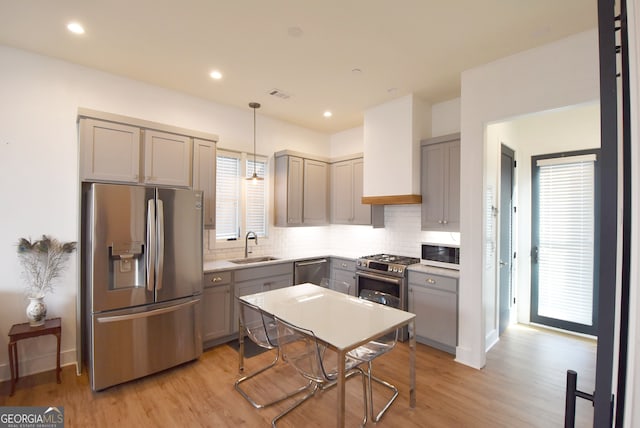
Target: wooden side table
25	331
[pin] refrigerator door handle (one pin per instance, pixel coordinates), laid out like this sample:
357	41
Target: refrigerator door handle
160	257
146	314
151	244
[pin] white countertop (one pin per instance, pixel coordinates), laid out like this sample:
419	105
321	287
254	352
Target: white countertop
419	267
218	265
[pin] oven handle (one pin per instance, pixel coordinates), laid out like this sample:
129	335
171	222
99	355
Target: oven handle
396	281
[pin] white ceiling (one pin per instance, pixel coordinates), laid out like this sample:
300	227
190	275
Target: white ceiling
308	49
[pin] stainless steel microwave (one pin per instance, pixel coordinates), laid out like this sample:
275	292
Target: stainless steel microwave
440	255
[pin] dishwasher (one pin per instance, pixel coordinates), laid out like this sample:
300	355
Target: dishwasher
311	270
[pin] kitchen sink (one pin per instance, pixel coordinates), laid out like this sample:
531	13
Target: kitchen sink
247	260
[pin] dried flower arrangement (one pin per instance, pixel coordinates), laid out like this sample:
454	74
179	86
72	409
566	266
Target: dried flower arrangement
42	262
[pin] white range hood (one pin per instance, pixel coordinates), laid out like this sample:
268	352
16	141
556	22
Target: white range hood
392	134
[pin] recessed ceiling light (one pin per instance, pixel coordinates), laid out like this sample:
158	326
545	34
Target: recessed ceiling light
215	74
327	114
75	28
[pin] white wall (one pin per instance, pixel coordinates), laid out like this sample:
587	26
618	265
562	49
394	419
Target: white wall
39	168
445	118
556	75
347	142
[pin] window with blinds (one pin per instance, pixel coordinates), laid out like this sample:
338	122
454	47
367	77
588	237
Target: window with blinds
564	260
235	214
256	207
227	195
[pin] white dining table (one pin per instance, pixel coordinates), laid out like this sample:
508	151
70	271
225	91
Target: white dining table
340	321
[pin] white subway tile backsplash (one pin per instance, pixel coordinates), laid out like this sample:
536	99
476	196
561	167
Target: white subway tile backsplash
402	235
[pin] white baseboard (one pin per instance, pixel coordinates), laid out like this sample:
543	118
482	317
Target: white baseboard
491	339
468	358
39	364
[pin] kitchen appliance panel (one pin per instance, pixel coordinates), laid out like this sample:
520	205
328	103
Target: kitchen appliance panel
117	267
132	343
179	256
310	271
440	255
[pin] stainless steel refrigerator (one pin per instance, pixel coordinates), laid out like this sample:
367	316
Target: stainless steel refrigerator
143	280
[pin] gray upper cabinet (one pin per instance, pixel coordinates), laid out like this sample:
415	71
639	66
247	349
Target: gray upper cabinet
109	151
301	190
440	183
204	177
315	193
167	159
346	193
120	149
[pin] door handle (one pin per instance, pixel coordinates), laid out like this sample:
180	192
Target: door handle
502	263
160	256
151	244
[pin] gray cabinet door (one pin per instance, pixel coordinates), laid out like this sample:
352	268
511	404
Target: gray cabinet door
315	193
361	212
440	184
109	151
347	179
344	270
167	159
452	191
204	178
342	192
436	316
216	312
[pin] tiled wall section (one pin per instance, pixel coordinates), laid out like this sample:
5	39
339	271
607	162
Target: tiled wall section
401	235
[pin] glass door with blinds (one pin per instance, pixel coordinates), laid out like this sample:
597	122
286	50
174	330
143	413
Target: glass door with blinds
564	220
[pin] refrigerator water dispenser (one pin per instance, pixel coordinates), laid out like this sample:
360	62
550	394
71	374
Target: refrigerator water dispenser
126	267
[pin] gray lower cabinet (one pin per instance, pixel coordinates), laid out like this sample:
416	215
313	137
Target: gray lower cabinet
434	300
258	279
216	299
344	270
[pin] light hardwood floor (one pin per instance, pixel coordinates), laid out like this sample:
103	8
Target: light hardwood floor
522	385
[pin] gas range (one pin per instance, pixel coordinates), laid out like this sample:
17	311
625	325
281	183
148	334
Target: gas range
386	263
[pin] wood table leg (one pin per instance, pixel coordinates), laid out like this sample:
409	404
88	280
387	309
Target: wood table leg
58	370
12	368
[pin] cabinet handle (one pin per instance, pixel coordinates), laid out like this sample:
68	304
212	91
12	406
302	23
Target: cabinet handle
439	221
344	265
445	222
431	281
216	279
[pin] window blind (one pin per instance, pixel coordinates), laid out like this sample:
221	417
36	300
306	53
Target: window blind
227	195
256	207
566	239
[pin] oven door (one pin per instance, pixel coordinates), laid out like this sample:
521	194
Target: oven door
385	284
382	283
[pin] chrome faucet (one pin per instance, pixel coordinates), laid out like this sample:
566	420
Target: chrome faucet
246	242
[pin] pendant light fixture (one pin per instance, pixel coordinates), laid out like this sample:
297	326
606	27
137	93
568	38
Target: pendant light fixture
254	177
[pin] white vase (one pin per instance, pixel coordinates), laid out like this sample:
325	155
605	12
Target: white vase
36	311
